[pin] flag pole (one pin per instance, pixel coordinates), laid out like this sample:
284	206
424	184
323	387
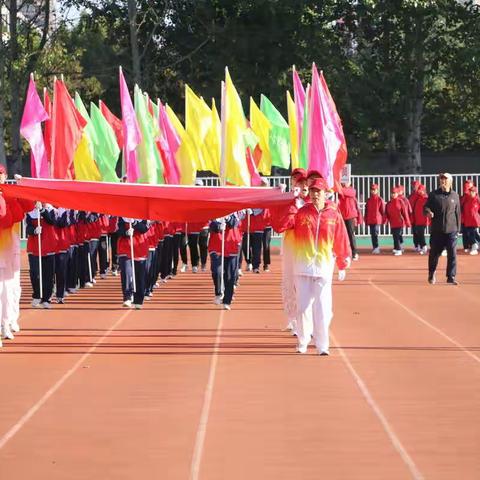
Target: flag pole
40	255
223	140
133	263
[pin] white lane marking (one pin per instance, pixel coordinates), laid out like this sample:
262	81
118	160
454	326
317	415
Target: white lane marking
425	322
31	412
415	472
207	402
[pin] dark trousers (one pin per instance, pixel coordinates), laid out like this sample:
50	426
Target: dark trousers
256	239
150	271
82	263
216	269
266	240
397	238
374	229
61	273
469	236
167	256
203	244
126	276
158	261
350	224
103	254
90	260
179	245
438	243
72	267
113	250
244	252
194	248
48	271
419	235
230	270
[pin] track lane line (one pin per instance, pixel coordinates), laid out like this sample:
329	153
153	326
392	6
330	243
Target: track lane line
396	442
425	322
4	439
207	402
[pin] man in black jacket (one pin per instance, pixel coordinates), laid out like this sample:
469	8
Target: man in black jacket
443	207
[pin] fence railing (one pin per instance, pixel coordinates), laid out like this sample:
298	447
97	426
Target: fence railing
362	183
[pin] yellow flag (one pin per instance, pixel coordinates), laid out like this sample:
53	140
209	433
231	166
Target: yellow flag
83	162
236	168
185	155
261	126
292	123
198	120
212	144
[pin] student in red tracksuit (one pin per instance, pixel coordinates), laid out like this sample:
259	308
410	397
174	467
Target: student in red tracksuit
167	250
259	219
180	247
471	219
112	234
152	239
228	225
104	224
419	220
348	206
466	193
48	242
374	215
61	216
412	200
131	230
73	253
197	244
266	241
397	215
408	208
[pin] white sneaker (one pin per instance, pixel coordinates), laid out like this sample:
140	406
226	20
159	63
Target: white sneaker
424	249
72	290
240	273
103	276
444	253
467	250
473	252
249	267
7	334
218	299
204	268
46	305
226	307
397	253
376	251
89	284
148	297
356	257
184	268
475	247
127	303
137	306
301	349
94	281
36	302
15	327
195	270
114	273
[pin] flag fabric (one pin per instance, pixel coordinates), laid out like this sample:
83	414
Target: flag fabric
292	123
34	114
106	147
67	130
299	97
303	152
212	144
131	131
255	178
279	139
170	143
147	161
236	169
114	122
186	151
324	142
261	126
47	130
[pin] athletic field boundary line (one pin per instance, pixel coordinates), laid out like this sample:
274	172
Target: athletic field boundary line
425	322
207	402
397	444
31	412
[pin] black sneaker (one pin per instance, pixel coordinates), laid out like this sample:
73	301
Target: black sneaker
431	279
452	281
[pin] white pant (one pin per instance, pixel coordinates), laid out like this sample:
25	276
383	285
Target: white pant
288	287
314	300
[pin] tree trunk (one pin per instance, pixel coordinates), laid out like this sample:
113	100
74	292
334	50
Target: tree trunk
132	22
16	144
392	151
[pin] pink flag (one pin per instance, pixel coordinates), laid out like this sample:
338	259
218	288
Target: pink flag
323	140
33	116
255	178
299	98
170	142
131	131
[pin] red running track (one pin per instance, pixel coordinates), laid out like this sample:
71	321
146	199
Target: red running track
182	390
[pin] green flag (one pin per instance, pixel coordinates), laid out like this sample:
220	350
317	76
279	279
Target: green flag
147	159
105	146
89	129
279	139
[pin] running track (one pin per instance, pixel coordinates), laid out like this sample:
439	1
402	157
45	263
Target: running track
182	390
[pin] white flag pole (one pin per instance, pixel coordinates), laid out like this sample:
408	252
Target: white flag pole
39	236
133	263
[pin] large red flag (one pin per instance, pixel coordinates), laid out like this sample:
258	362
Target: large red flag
114	122
67	132
47	131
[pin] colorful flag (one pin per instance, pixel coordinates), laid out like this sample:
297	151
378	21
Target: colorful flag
131	131
170	143
47	130
212	145
255	178
303	153
114	122
299	97
261	126
234	125
106	147
31	128
292	123
279	139
67	130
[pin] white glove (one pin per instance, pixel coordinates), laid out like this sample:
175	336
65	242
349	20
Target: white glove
130	232
282	187
222	226
38	205
348	261
17	177
249	211
296	191
38	230
341	275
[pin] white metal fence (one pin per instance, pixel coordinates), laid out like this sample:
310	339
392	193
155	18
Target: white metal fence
362	183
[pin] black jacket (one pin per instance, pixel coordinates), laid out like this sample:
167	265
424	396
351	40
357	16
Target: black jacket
446	211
